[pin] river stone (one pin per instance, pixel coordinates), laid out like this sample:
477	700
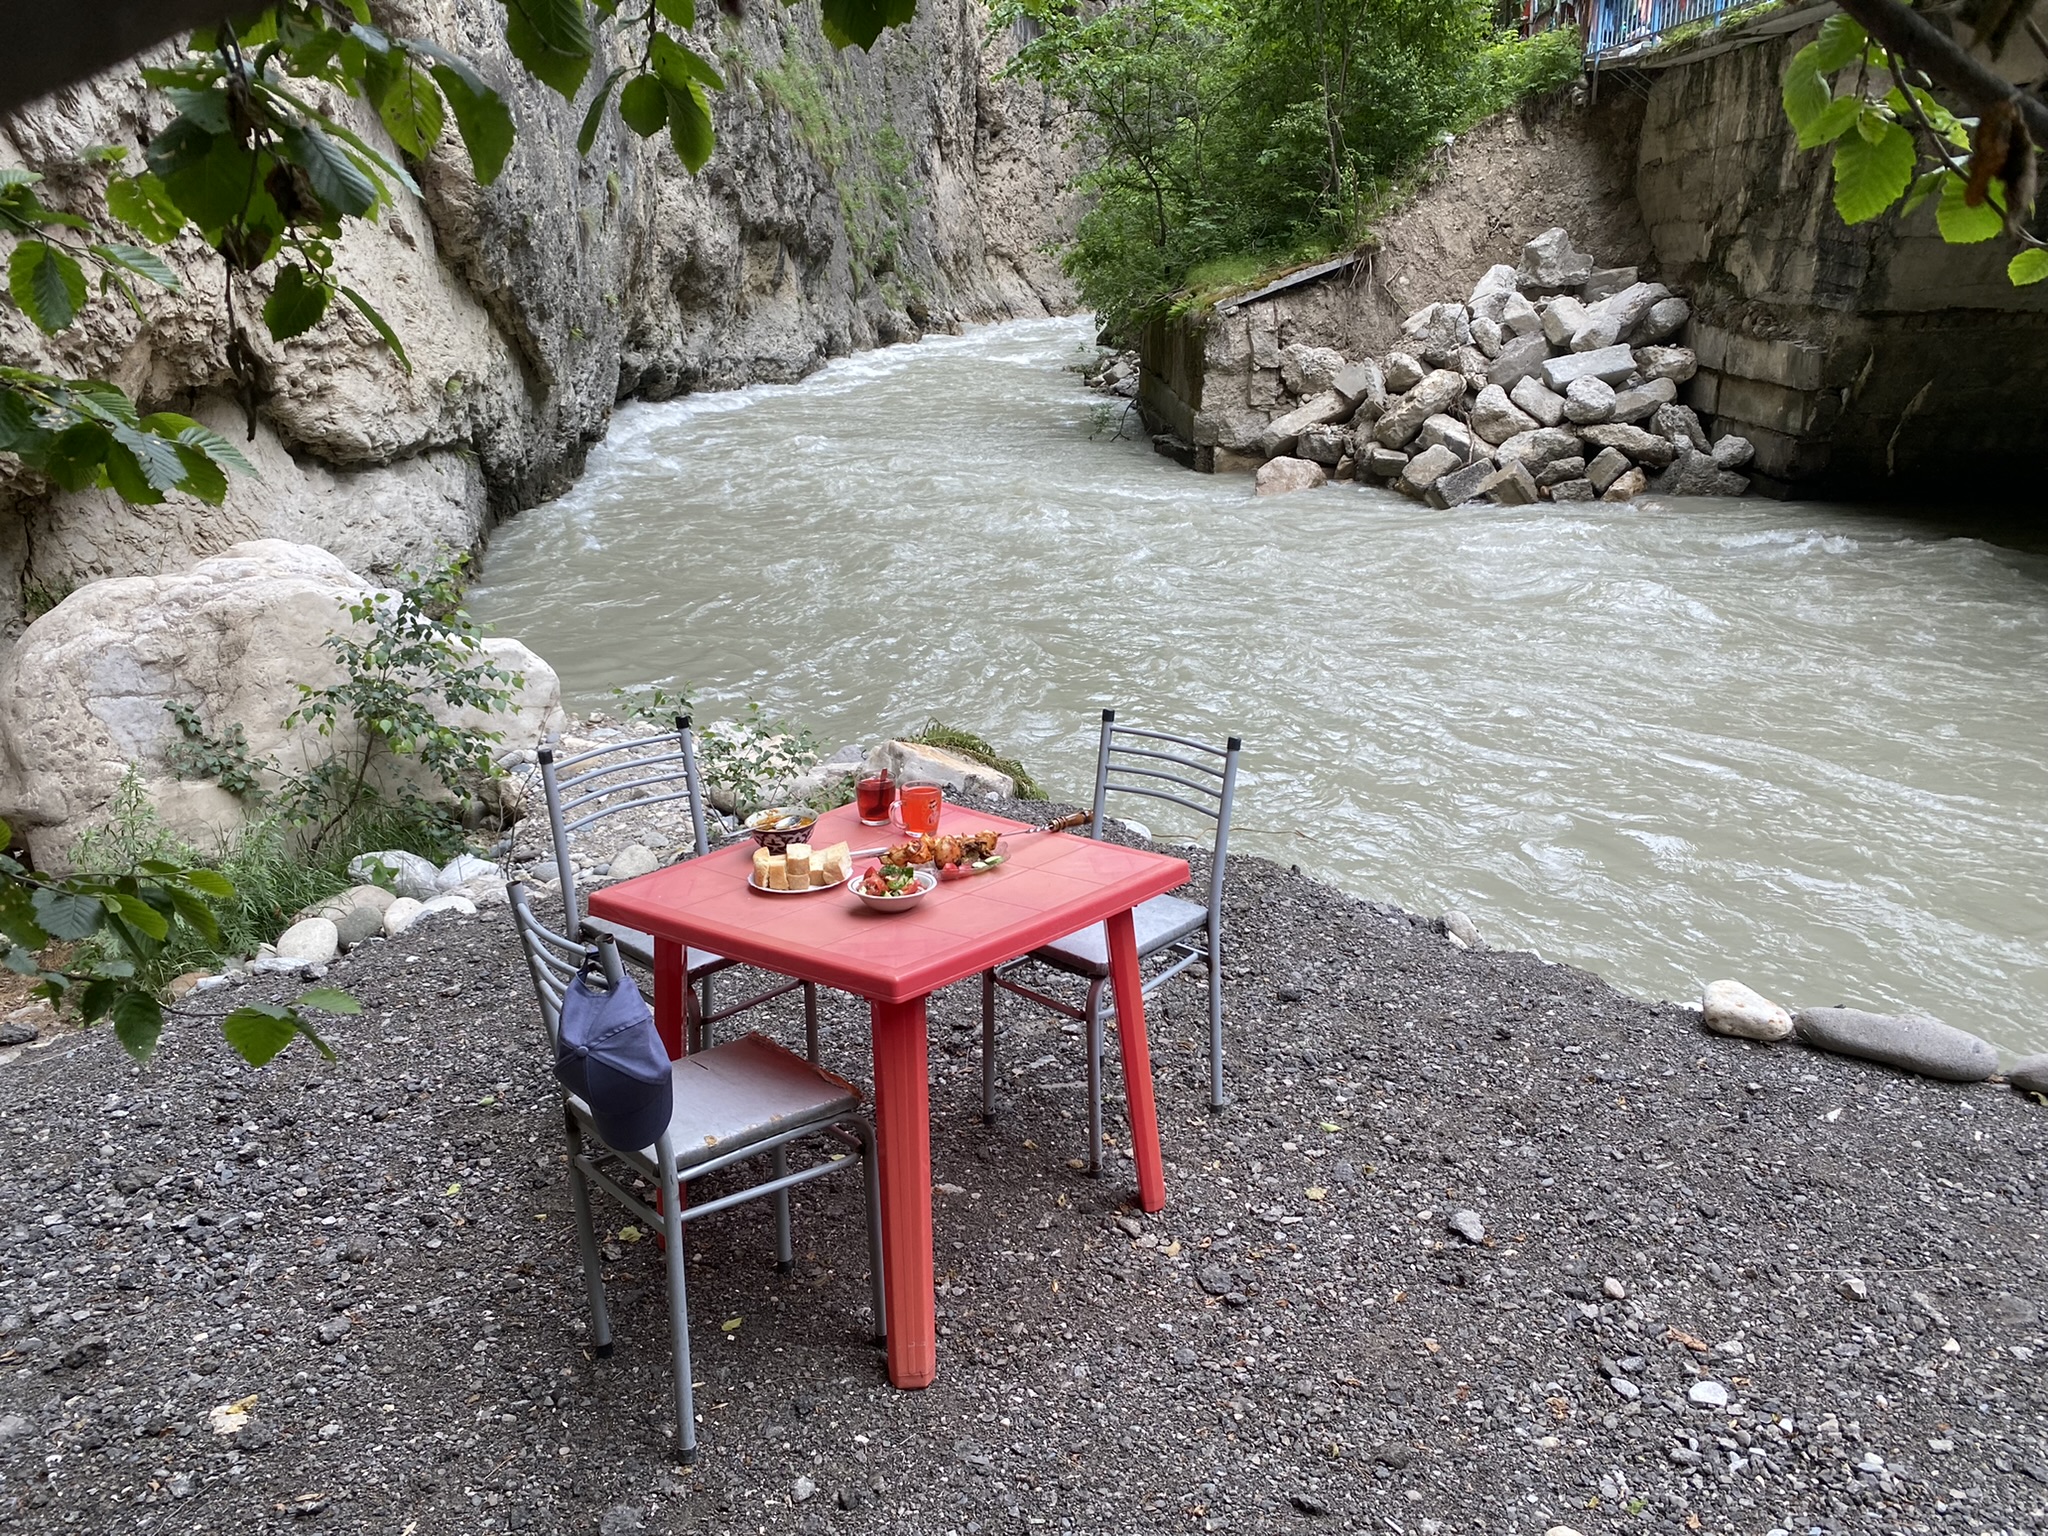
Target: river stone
1707	1394
1511	485
1436	331
1518	317
1402	372
1910	1042
1734	452
1404	417
1385	462
491	890
1490	294
1628	487
1680	424
1557	471
405	873
1460	485
1631	484
1599	332
1674	363
1278	476
400	915
1608	466
1363	385
1451	433
1563	317
1613	364
1545	406
1580	489
462	869
1643	400
1494	417
1426	468
2029	1074
1606	282
1519	359
1307	370
1548	261
1588	402
1644	447
1693	473
1539	447
1316	411
357	914
447	901
1324	445
310	941
632	861
1487	336
1664	318
1730	1008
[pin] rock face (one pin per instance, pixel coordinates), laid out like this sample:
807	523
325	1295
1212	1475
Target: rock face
1910	1042
1730	1008
855	199
82	695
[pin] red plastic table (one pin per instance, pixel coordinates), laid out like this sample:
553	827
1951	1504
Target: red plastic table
1050	885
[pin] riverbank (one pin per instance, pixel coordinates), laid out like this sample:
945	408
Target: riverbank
378	1251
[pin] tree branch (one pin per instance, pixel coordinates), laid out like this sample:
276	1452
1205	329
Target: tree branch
1945	61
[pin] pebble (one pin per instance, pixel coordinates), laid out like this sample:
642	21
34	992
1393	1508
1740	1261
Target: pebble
1215	1279
17	1032
1730	1008
333	1330
1707	1394
1467	1225
2029	1074
1613	1289
1624	1388
804	1490
632	861
1461	928
1853	1289
621	1520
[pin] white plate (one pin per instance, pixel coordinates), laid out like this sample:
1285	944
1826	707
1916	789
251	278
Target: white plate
808	890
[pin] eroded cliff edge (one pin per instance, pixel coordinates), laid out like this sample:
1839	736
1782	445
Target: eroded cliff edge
854	200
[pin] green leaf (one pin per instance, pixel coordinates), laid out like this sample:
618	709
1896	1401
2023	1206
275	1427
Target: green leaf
205	439
206	106
1806	94
379	324
203	478
1840	40
411	111
143	263
196	915
678	66
140	914
2030	266
125	474
689	126
77	456
552	39
1924	187
138	1021
210	882
47	284
1870	177
682	13
1871	123
157	457
481	115
644	105
857	23
328	1000
587	135
66	914
259	1031
207	178
1960	224
297	301
1833	121
20	433
341	183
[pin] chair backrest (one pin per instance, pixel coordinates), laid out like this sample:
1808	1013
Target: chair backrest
630	775
554	960
1183	772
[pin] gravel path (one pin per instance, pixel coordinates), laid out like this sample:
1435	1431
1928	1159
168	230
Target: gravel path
1716	1286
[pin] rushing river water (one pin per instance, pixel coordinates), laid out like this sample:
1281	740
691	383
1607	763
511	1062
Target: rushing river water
1797	745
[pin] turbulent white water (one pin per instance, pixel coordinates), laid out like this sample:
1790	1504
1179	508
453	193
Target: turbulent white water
1798	745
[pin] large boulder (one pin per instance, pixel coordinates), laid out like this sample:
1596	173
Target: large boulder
1307	370
83	693
1496	418
1403	418
1549	261
1316	411
911	762
1911	1042
1278	476
1730	1008
1436	332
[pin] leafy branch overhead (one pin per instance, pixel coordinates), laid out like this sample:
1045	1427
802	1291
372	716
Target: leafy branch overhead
256	167
1869	91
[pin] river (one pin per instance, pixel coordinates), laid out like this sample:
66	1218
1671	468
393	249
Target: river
1800	745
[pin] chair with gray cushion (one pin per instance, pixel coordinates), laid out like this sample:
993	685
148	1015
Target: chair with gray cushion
1186	773
634	775
735	1103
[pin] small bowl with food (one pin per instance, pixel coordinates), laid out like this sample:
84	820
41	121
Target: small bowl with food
775	827
892	887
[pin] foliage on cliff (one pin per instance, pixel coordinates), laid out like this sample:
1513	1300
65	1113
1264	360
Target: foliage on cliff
1258	131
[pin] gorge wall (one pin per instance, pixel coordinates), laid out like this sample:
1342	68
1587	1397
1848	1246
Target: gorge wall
854	200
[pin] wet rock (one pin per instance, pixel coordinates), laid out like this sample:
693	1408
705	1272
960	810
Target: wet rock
1631	484
1495	418
1461	485
1644	447
1911	1042
1426	468
1607	466
1680	424
1403	418
1403	372
1611	364
1588	401
1557	471
1579	489
2029	1074
1385	463
1540	447
1278	476
311	941
1512	485
1730	1008
1693	473
1537	400
1307	370
1519	359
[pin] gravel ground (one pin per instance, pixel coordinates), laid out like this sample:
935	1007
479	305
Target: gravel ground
1716	1286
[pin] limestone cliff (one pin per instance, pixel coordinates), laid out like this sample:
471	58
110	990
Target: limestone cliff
854	200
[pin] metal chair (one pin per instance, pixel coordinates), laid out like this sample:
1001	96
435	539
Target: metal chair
749	1098
1202	779
632	776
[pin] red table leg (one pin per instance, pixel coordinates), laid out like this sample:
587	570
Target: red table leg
903	1143
670	995
1128	984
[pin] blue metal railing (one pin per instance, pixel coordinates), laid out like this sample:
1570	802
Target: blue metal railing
1619	25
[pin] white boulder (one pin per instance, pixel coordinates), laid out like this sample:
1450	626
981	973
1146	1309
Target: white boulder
400	915
407	874
911	763
1730	1008
462	869
634	860
310	941
1307	370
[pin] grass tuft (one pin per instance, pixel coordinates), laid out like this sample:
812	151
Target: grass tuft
937	733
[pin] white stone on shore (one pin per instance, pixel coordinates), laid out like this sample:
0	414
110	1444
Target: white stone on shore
404	872
1278	476
460	870
634	860
400	916
1730	1008
310	941
447	901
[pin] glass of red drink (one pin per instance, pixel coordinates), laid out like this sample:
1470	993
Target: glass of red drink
872	798
917	808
